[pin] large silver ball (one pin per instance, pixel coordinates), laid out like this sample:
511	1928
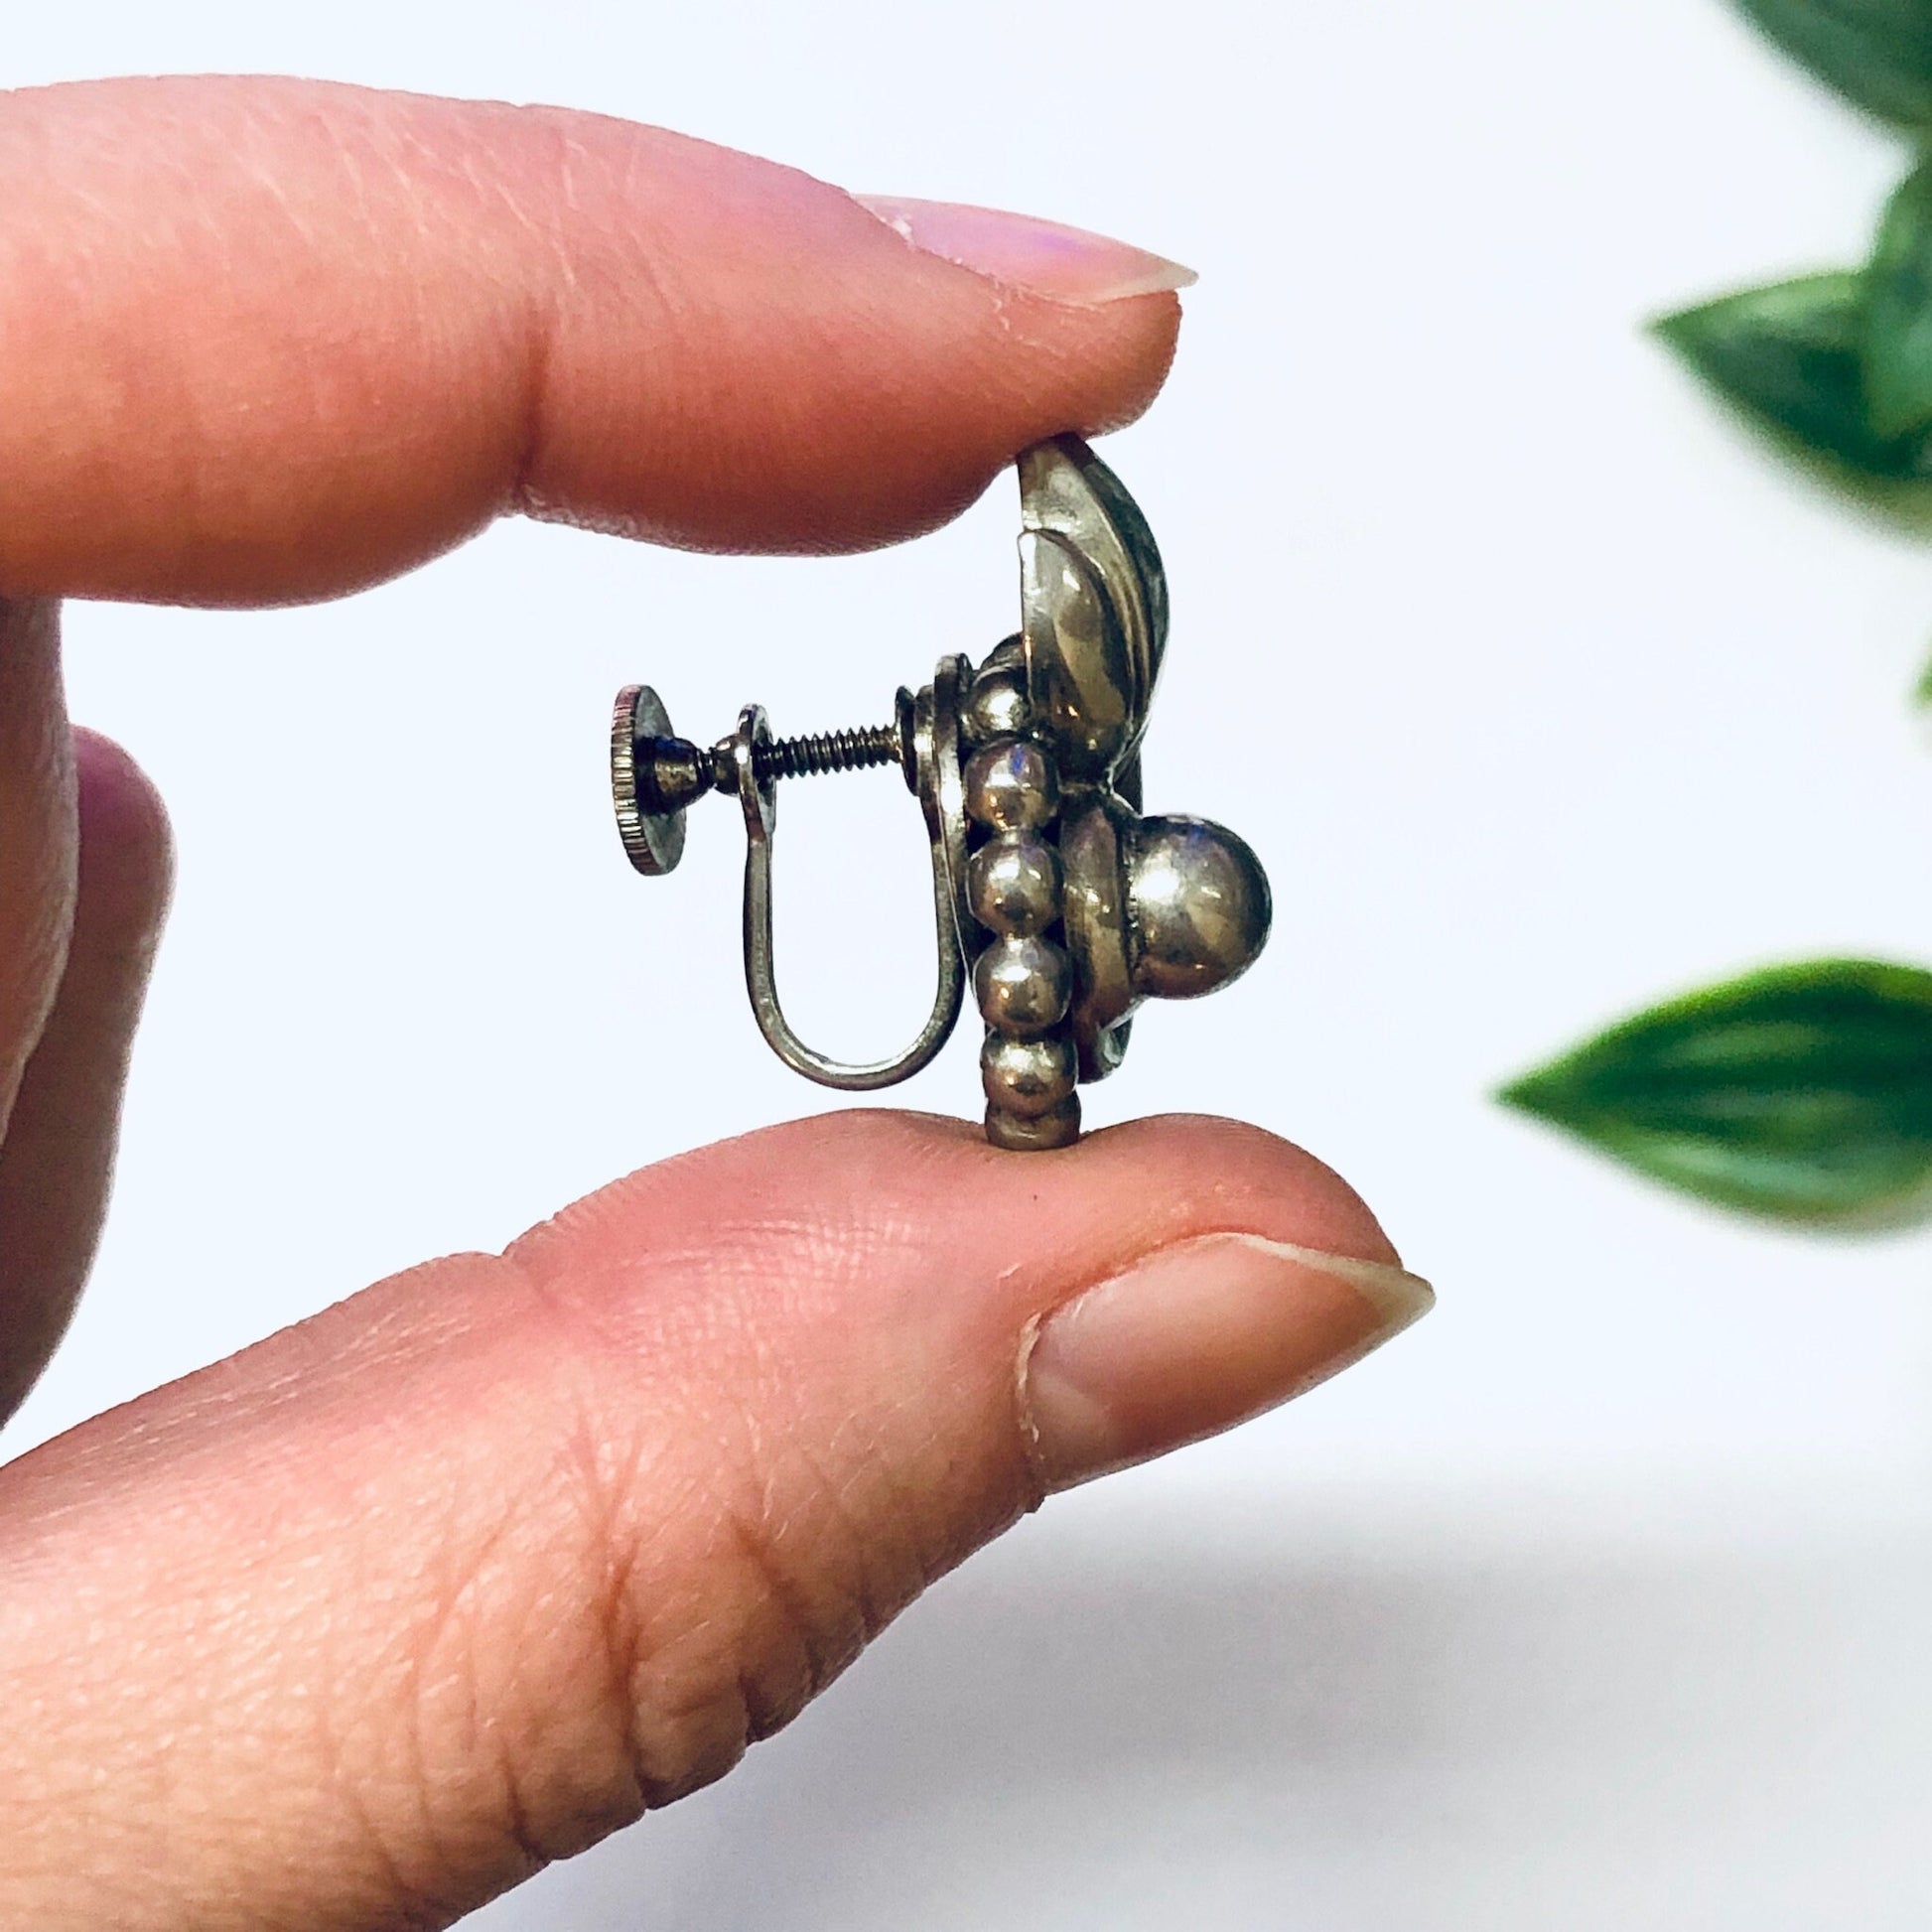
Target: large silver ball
1198	905
1023	985
1027	1077
1012	884
1012	786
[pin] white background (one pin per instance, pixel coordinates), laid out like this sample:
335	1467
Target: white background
1599	1601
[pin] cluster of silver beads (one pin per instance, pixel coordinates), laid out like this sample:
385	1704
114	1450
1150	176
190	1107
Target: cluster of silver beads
1022	976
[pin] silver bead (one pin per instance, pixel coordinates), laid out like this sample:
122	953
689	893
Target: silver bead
1035	1134
998	706
1023	986
1012	786
1198	905
1027	1077
1012	884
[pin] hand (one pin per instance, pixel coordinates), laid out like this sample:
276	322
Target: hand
361	1627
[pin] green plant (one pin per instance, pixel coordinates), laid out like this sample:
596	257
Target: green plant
1800	1093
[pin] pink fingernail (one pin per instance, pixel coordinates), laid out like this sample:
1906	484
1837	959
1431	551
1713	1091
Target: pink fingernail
1041	257
1196	1337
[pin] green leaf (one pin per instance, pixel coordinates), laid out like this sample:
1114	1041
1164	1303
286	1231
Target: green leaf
1876	52
1898	313
1790	357
1803	1092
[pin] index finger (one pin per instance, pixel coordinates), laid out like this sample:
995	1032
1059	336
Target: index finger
273	339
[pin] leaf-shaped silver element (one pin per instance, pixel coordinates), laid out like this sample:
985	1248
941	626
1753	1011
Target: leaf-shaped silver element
1876	53
1803	1092
1094	606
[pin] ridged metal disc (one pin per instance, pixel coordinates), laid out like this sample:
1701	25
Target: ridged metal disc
653	842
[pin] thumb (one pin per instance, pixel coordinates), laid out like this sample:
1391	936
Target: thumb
360	1628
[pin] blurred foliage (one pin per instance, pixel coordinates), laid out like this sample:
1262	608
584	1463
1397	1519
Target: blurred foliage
1876	52
1791	357
1802	1092
1896	333
1837	366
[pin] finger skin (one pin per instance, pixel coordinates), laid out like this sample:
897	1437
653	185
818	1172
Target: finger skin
356	1630
274	340
57	1155
39	843
604	1509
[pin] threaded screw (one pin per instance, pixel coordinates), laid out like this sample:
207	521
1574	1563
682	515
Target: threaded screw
672	773
842	751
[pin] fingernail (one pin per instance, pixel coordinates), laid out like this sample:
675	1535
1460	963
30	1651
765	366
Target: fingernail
1196	1337
1042	257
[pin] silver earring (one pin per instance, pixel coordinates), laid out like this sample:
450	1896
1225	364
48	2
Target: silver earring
1063	906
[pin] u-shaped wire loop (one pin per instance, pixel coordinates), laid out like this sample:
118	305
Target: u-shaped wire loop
940	793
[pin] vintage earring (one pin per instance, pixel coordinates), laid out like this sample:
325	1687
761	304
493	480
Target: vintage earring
1066	905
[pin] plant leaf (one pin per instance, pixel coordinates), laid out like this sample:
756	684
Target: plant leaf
1876	52
1898	313
1790	356
1802	1092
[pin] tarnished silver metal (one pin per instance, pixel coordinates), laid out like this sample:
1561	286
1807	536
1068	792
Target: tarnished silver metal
1094	840
1013	882
1094	604
937	777
759	796
1012	786
1023	985
1197	906
654	839
999	706
1063	906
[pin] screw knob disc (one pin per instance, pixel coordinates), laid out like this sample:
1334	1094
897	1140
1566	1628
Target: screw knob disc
653	842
